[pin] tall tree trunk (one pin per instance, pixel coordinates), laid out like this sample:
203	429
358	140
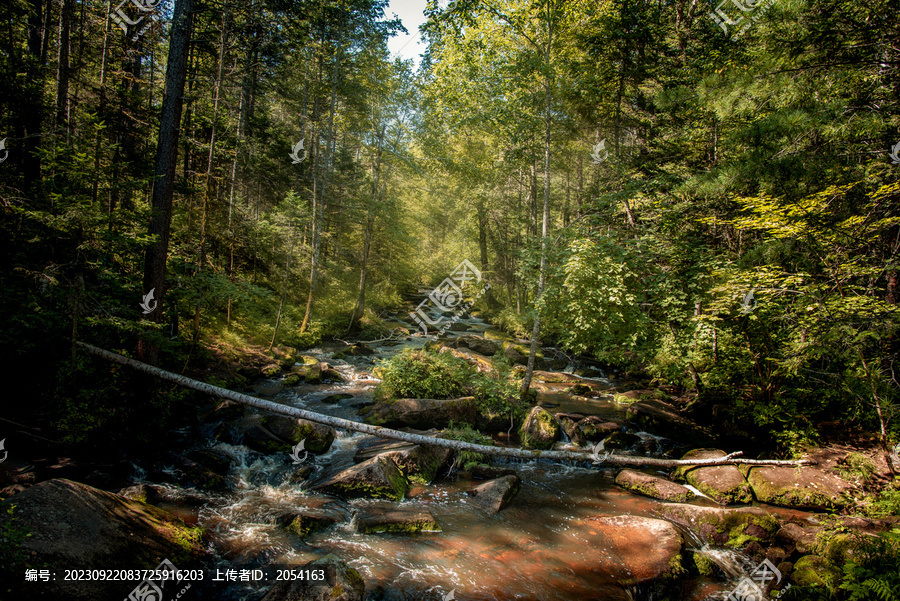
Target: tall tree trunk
532	351
284	289
166	158
62	66
318	207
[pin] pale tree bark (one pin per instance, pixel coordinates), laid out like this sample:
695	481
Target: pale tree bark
336	422
542	276
284	289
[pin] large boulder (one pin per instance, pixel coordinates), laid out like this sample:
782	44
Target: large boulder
595	429
422	463
806	487
476	360
663	419
569	424
815	572
317	437
73	526
494	495
653	486
477	344
338	582
720	527
421	413
724	484
377	478
540	429
381	516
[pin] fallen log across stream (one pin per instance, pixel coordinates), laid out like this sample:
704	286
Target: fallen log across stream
337	422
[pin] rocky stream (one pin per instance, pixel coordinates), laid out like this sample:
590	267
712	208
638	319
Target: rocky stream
391	521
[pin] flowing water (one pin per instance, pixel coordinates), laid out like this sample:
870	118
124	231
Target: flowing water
540	547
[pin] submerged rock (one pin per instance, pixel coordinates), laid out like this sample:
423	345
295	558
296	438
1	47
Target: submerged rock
806	487
494	495
379	517
653	486
339	582
75	526
377	478
308	521
540	429
724	484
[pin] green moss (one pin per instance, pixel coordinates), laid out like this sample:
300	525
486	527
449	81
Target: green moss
675	569
735	523
704	564
815	571
292	379
621	399
304	525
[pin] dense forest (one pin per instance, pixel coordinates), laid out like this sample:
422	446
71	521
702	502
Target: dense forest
699	201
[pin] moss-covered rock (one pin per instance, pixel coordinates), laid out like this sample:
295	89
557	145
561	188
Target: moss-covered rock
815	571
307	521
292	379
377	478
735	528
262	440
317	437
422	414
372	518
569	424
724	484
806	487
653	486
539	430
596	429
73	525
271	370
422	463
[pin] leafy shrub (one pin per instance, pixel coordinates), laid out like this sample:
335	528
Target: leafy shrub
873	571
422	374
465	433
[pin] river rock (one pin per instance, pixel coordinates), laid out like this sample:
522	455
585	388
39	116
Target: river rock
596	429
646	550
377	478
806	487
334	399
479	345
553	377
422	463
308	521
569	424
494	495
422	414
225	411
267	388
653	486
340	583
378	517
76	526
724	484
262	440
720	527
359	349
794	537
317	437
540	429
663	419
476	360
